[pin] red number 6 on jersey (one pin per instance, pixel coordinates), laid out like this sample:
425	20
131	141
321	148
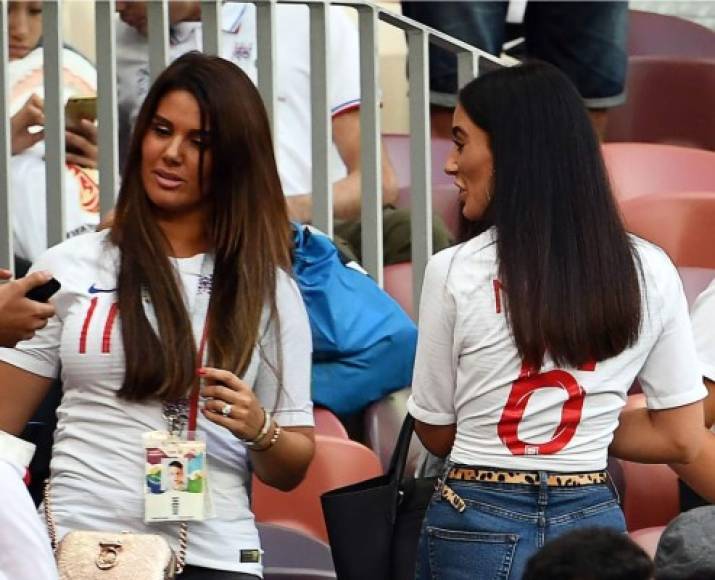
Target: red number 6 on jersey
521	391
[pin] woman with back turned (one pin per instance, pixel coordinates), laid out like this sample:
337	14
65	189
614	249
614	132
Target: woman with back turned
532	331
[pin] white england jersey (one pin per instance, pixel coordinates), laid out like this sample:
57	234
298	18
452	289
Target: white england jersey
703	319
468	370
97	460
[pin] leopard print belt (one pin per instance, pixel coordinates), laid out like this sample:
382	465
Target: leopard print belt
527	477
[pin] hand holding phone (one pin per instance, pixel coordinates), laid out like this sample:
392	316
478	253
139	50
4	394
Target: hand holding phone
44	292
20	318
78	108
81	133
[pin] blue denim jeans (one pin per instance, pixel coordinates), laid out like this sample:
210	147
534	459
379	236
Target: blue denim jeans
504	524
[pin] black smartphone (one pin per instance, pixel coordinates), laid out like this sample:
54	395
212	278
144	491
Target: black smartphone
44	292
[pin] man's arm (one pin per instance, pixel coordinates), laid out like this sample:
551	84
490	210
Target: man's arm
346	191
20	317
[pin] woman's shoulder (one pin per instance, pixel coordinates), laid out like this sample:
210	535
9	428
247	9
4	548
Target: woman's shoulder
653	259
661	284
287	290
468	254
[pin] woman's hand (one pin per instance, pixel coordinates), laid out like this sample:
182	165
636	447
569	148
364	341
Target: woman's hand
231	403
283	461
31	114
81	144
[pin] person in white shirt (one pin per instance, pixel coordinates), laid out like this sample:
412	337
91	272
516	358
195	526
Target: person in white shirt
27	165
703	320
196	267
293	113
698	477
532	331
24	545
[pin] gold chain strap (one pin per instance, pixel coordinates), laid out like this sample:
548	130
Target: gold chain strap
49	519
52	531
183	543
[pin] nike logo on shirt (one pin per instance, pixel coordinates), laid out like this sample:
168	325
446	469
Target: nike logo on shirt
94	290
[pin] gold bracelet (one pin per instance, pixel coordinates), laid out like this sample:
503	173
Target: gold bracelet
265	428
272	440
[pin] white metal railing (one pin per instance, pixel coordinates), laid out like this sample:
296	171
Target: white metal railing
418	39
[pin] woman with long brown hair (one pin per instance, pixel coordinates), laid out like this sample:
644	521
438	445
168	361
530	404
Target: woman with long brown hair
533	330
192	279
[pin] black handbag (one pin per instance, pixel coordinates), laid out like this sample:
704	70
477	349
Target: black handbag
374	526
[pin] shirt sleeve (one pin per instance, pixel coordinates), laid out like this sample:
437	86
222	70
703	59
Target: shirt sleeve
434	378
41	354
703	320
344	63
25	552
671	375
290	403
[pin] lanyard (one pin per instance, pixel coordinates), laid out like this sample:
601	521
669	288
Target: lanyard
177	412
194	399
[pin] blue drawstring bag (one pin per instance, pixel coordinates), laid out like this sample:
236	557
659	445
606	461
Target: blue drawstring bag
363	342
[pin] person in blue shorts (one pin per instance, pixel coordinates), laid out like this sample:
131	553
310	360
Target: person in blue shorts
586	40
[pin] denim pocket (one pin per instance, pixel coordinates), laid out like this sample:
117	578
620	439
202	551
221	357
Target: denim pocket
462	555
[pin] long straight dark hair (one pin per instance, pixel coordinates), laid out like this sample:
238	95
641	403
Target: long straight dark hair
566	264
247	227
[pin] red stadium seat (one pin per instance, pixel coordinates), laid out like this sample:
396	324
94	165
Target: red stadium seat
651	495
337	462
680	223
637	169
293	555
326	423
695	280
397	282
444	195
651	34
648	538
670	100
398	148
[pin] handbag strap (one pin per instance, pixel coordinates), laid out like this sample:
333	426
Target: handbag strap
396	470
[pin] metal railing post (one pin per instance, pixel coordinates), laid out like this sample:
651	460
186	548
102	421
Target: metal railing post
370	145
266	41
420	159
158	29
322	134
107	104
54	121
211	26
6	251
